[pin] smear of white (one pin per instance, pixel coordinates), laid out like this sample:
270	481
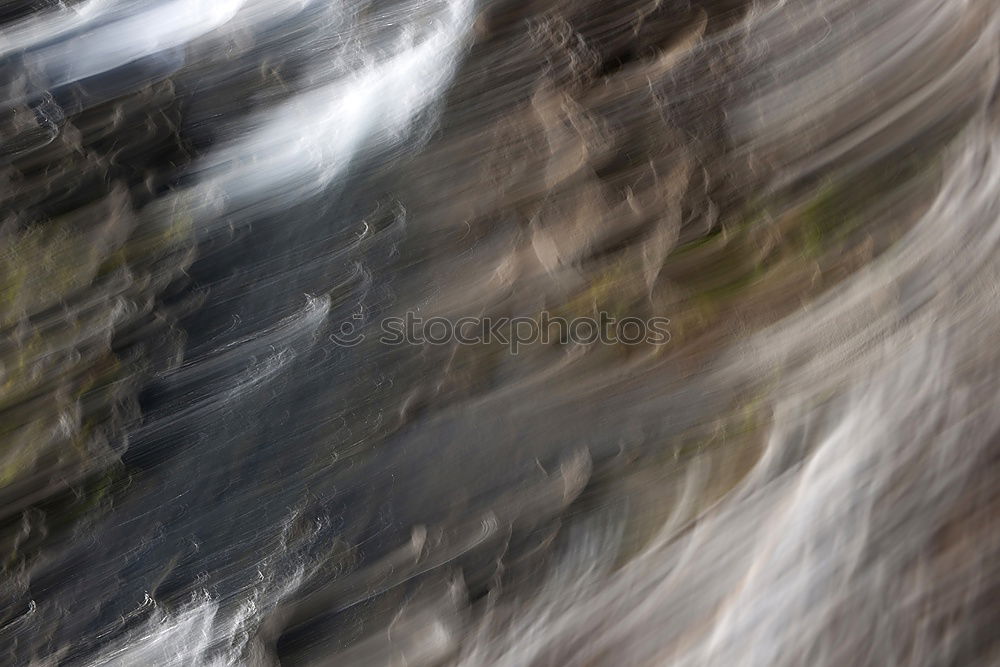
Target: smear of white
300	148
107	46
48	26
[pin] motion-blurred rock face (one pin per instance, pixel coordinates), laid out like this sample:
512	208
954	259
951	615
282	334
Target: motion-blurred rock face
201	199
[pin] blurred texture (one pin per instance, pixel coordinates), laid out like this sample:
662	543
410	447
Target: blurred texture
199	195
